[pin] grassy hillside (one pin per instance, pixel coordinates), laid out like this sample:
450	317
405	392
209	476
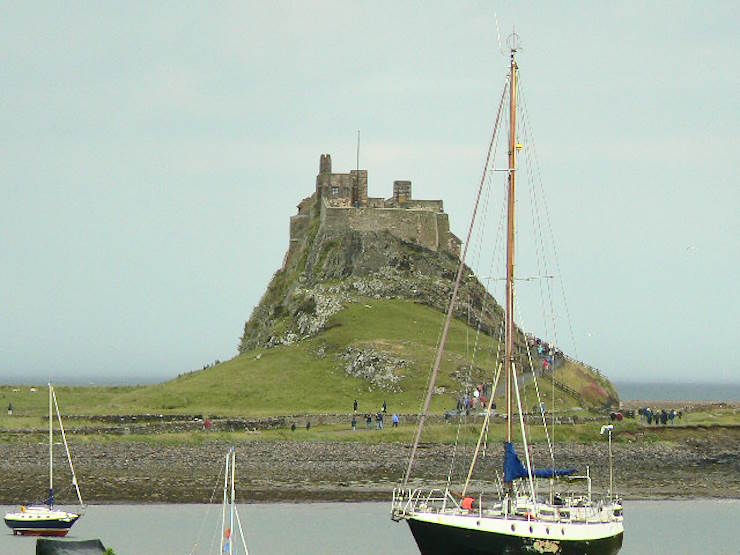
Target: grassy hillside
309	376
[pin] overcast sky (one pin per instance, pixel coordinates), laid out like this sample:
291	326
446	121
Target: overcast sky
151	155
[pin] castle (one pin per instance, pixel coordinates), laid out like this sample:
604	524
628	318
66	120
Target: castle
340	201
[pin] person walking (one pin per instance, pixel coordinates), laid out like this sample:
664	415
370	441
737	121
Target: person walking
385	407
355	406
395	420
354	423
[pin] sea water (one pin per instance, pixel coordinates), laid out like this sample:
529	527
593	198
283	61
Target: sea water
648	391
685	527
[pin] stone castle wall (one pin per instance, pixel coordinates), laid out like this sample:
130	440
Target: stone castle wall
341	202
423	227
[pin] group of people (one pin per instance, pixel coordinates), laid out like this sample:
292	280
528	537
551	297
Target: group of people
479	398
379	417
659	416
549	355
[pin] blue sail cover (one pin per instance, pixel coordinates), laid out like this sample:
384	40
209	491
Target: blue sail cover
514	469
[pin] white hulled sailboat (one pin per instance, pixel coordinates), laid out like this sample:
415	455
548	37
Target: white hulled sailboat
45	520
516	520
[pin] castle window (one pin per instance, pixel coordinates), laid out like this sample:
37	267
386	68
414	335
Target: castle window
335	191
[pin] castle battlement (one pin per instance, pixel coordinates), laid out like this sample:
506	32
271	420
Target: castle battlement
340	201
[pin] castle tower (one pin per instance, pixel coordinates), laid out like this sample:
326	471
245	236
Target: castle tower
325	163
401	192
359	188
349	189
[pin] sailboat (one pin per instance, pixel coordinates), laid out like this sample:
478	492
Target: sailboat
45	520
516	519
229	514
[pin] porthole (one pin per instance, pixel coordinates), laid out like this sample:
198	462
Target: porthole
513	527
531	529
477	522
562	531
547	530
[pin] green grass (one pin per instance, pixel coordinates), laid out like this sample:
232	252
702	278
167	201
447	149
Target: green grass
295	380
626	431
72	400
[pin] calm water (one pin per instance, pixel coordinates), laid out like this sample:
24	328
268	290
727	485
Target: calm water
637	391
707	527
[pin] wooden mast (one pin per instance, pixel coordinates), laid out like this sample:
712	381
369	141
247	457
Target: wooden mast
509	345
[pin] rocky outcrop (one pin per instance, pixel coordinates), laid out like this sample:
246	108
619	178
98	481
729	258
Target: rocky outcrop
341	267
379	369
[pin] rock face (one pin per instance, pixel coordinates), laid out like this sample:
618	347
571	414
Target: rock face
376	367
337	267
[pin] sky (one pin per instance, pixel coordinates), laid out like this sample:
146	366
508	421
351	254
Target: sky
151	155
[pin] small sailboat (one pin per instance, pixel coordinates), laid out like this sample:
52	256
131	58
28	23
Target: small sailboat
516	519
229	514
45	520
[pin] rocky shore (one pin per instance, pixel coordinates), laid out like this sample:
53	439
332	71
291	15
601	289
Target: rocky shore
701	464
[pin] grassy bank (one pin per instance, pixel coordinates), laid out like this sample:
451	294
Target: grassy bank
694	425
309	377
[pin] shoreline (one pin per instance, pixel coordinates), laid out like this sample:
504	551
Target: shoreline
705	465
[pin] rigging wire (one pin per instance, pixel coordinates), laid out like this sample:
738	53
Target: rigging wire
480	235
539	398
208	512
548	220
537	192
539	239
524	435
451	307
484	309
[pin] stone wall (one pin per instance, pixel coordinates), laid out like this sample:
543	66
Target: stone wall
423	227
298	227
351	186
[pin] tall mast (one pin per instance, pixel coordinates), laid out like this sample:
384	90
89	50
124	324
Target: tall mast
232	507
51	452
509	346
223	505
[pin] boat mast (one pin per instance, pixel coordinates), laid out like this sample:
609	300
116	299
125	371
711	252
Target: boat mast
232	508
509	346
223	505
51	453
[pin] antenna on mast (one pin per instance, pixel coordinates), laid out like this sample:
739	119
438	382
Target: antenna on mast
358	151
498	35
356	191
514	41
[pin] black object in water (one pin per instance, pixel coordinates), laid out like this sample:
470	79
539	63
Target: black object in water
66	547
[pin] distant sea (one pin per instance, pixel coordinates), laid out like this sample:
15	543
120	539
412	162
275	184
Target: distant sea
628	391
104	381
651	391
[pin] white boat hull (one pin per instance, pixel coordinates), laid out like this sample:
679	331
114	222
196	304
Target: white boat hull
439	533
40	521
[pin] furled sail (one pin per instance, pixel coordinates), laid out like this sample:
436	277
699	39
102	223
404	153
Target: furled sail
514	469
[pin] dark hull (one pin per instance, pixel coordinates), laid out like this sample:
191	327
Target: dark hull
56	528
439	539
